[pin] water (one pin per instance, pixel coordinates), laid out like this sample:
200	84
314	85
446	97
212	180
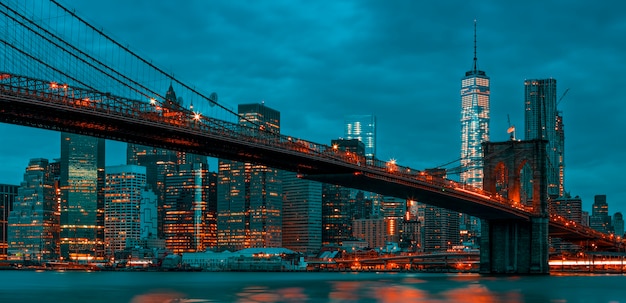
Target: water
162	287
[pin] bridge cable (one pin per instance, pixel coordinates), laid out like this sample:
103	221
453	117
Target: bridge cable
153	66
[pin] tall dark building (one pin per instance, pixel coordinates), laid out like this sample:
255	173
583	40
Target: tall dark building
82	197
7	198
250	195
600	219
543	122
341	205
618	224
302	214
441	226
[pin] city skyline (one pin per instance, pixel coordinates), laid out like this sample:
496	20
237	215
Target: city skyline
397	62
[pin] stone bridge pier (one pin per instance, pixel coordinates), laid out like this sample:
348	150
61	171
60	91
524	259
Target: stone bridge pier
517	171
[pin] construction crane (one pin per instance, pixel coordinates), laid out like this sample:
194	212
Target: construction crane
562	96
511	129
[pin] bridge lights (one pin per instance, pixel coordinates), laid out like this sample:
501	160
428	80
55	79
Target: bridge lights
391	165
152	101
196	116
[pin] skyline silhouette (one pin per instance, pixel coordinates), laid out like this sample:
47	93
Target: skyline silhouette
319	62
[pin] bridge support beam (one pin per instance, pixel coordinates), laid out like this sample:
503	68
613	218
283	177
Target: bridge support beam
514	246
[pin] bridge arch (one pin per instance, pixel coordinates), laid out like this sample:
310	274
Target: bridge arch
516	170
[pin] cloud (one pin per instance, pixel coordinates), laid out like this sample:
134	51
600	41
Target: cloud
317	62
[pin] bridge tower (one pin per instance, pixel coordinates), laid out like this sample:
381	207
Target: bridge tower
516	246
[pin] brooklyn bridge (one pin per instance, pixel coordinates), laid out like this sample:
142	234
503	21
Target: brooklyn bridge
50	81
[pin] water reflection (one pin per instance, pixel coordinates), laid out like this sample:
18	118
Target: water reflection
157	297
149	287
452	289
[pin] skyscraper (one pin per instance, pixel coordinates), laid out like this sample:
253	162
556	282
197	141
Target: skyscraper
82	197
188	222
250	195
363	128
7	197
560	152
302	214
600	219
129	208
160	162
34	221
475	115
618	224
540	122
341	205
441	226
474	122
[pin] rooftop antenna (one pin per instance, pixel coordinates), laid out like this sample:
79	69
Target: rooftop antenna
475	58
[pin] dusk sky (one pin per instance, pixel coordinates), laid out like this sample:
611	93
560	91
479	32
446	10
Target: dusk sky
319	61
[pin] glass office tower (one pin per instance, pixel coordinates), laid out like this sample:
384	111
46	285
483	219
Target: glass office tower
475	102
34	224
250	195
363	128
474	122
543	121
82	197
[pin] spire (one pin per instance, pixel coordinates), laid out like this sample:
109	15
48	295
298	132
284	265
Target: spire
475	59
170	96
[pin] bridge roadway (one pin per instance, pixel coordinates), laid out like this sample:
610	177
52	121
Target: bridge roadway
56	106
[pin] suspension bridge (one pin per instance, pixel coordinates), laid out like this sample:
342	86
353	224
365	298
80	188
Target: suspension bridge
61	73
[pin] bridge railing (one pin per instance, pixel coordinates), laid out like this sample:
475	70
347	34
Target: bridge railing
175	116
159	111
446	184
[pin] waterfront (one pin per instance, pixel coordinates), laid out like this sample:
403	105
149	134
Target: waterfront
144	287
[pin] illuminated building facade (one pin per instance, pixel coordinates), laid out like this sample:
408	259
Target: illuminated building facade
302	214
377	232
441	229
560	152
129	208
475	95
475	117
189	224
82	197
7	198
33	232
250	195
542	121
393	208
568	207
160	162
362	128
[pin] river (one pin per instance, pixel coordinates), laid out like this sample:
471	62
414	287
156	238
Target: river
150	287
